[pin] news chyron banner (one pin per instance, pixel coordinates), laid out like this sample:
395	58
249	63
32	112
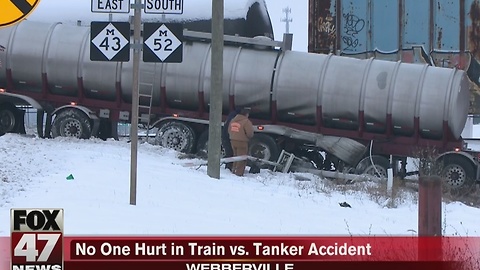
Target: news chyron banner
37	243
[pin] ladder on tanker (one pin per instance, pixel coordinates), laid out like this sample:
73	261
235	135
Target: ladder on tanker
145	99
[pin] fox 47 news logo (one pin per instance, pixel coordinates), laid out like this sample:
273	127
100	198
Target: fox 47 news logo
37	239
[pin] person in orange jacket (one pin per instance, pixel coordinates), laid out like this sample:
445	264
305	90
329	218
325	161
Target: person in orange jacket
240	131
227	145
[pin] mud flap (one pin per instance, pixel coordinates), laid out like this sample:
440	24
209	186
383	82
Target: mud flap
48	125
115	130
96	126
44	133
20	122
40	115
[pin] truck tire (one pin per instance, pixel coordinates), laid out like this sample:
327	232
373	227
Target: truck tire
202	146
177	136
365	166
7	119
458	172
71	123
264	147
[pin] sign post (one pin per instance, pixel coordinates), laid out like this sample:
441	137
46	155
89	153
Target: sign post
110	41
137	23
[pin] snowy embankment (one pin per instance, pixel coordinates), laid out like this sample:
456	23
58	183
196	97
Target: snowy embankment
175	200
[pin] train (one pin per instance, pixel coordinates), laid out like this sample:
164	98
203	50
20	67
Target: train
436	32
333	112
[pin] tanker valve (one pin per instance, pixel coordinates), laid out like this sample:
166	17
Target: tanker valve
73	103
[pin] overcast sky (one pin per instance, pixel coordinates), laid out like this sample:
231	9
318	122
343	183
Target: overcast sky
299	24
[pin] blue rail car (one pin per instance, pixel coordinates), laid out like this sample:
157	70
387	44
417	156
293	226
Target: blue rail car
443	33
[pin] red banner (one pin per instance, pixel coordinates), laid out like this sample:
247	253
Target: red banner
266	253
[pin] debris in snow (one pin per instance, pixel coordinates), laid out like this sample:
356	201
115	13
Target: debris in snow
345	204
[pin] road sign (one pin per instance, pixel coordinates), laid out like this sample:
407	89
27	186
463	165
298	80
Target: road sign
163	43
163	7
110	6
13	11
110	41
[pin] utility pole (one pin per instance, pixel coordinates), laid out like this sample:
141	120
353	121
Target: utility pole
287	20
137	24
216	89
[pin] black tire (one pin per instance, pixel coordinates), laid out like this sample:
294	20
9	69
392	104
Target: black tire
264	147
365	166
71	123
8	121
458	172
202	146
177	136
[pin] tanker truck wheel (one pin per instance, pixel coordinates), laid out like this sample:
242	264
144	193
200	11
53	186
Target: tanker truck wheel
458	173
202	146
71	123
7	120
378	168
264	147
177	136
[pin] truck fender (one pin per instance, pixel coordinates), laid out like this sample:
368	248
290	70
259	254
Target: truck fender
89	113
181	119
465	155
16	99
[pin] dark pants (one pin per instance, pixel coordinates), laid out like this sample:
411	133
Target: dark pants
239	149
227	146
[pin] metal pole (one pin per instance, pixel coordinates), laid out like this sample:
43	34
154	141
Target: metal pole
430	218
429	206
215	125
137	23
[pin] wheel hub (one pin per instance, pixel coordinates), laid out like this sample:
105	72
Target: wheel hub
72	128
455	176
377	171
174	139
261	151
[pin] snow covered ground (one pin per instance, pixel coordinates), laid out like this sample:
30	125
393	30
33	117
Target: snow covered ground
176	200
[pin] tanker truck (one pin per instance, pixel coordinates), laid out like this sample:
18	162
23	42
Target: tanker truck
335	112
